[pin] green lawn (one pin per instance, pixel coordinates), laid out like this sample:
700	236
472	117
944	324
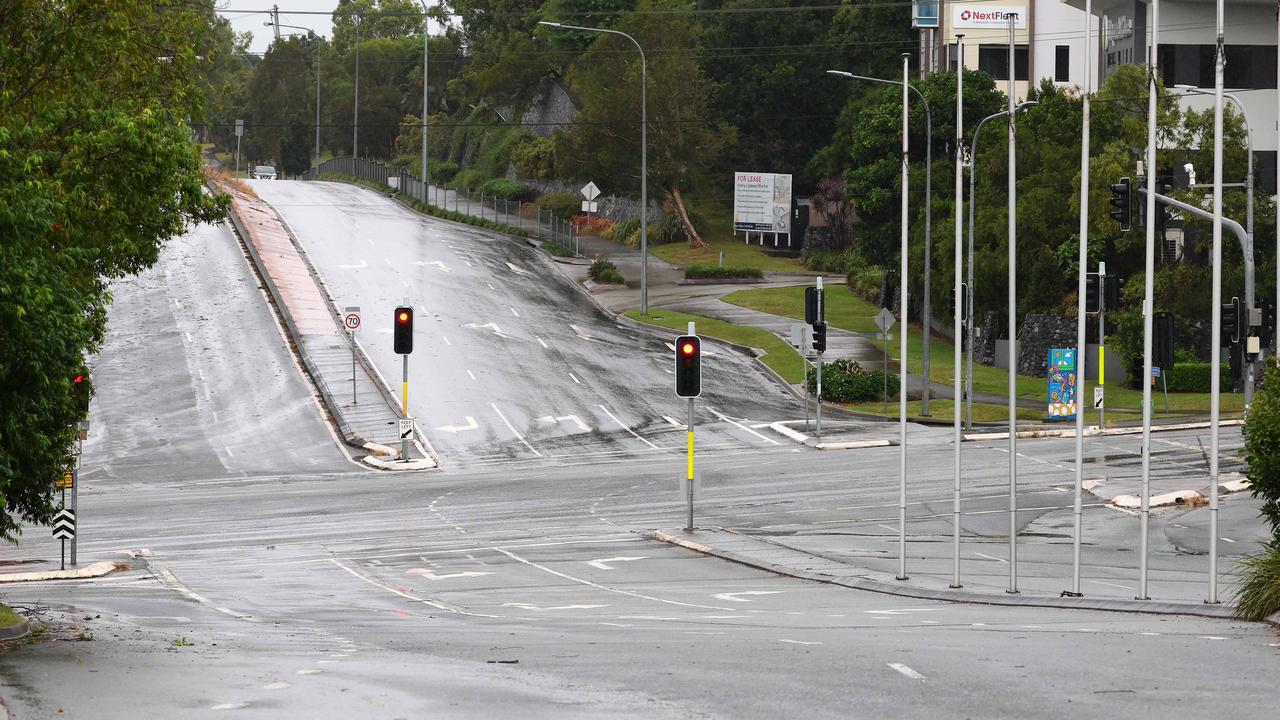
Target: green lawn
736	252
779	356
8	617
845	311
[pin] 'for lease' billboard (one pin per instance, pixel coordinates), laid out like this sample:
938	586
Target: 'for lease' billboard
762	202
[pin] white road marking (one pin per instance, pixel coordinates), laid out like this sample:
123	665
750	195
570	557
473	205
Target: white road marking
616	624
275	686
471	375
468	262
729	420
737	596
229	451
384	331
672	420
491	287
571	418
1226	539
906	671
310	671
362	264
424	573
446	340
887	527
579	332
989	557
176	585
1114	585
471	425
575	378
516	269
487	326
1209	637
799	642
229	706
405	595
1152	634
531	606
512	428
606	588
541	342
177	303
603	563
899	611
513	312
624	427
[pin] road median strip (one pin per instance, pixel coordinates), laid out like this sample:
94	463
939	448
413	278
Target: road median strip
94	570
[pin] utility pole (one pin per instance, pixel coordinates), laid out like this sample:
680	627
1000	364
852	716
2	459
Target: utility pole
959	304
275	20
902	343
1013	317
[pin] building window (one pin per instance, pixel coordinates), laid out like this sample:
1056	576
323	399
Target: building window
994	60
1062	63
1249	67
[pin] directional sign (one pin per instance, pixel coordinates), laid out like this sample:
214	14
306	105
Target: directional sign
406	428
66	482
590	191
351	318
590	206
64	524
1097	398
885	320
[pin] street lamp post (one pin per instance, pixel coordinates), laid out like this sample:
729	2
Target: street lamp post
928	220
644	156
425	37
973	174
355	105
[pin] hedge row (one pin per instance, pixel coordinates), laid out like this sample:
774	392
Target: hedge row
844	380
733	272
1195	377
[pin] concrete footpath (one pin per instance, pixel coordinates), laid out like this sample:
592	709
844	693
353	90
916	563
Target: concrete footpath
356	397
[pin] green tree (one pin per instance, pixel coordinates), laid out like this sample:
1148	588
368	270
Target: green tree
97	170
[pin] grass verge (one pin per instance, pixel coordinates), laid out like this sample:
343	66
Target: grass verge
779	356
8	617
736	252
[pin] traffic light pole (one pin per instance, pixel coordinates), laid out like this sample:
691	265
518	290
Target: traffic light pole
1102	341
689	470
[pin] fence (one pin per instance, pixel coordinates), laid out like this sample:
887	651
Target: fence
526	217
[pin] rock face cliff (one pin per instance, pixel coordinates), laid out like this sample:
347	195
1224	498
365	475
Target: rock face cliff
551	105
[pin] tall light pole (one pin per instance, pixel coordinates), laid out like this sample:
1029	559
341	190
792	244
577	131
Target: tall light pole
644	156
959	303
1250	365
1081	316
902	334
1148	297
928	219
1214	389
1013	317
973	174
426	177
355	106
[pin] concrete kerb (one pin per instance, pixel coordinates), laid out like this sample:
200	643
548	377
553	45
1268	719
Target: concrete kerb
960	596
93	570
16	631
1093	431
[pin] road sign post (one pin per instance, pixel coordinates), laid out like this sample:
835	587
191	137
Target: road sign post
402	340
884	321
351	321
821	310
239	134
64	527
589	206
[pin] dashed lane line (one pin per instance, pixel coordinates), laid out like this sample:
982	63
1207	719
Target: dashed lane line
906	671
408	596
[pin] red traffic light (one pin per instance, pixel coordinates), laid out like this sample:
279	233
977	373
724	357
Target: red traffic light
687	348
402	317
78	379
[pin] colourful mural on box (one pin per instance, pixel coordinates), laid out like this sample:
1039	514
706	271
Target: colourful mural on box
1062	384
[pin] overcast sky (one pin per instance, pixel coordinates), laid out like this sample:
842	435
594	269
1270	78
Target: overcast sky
243	18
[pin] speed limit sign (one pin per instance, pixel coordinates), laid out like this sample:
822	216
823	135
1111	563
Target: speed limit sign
351	318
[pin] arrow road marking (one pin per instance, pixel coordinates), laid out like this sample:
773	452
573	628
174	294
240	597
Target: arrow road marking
578	331
672	420
737	596
571	418
603	563
362	264
531	606
487	326
423	572
516	269
729	420
437	263
471	425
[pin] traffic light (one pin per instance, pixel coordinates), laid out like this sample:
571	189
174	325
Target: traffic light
1121	202
1162	340
80	390
1111	292
403	330
1231	322
688	366
820	336
1092	293
812	305
1163	186
1266	333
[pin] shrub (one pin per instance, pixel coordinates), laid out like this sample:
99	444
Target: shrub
1262	446
535	157
1258	594
603	271
622	230
668	229
562	205
836	262
844	380
591	225
1194	377
469	179
865	282
733	272
442	171
556	248
508	189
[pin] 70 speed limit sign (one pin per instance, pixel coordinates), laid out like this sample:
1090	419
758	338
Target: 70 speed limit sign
351	318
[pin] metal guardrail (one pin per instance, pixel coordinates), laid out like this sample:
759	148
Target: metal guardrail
527	217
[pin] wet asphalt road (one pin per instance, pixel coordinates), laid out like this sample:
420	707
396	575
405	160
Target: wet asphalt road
284	581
